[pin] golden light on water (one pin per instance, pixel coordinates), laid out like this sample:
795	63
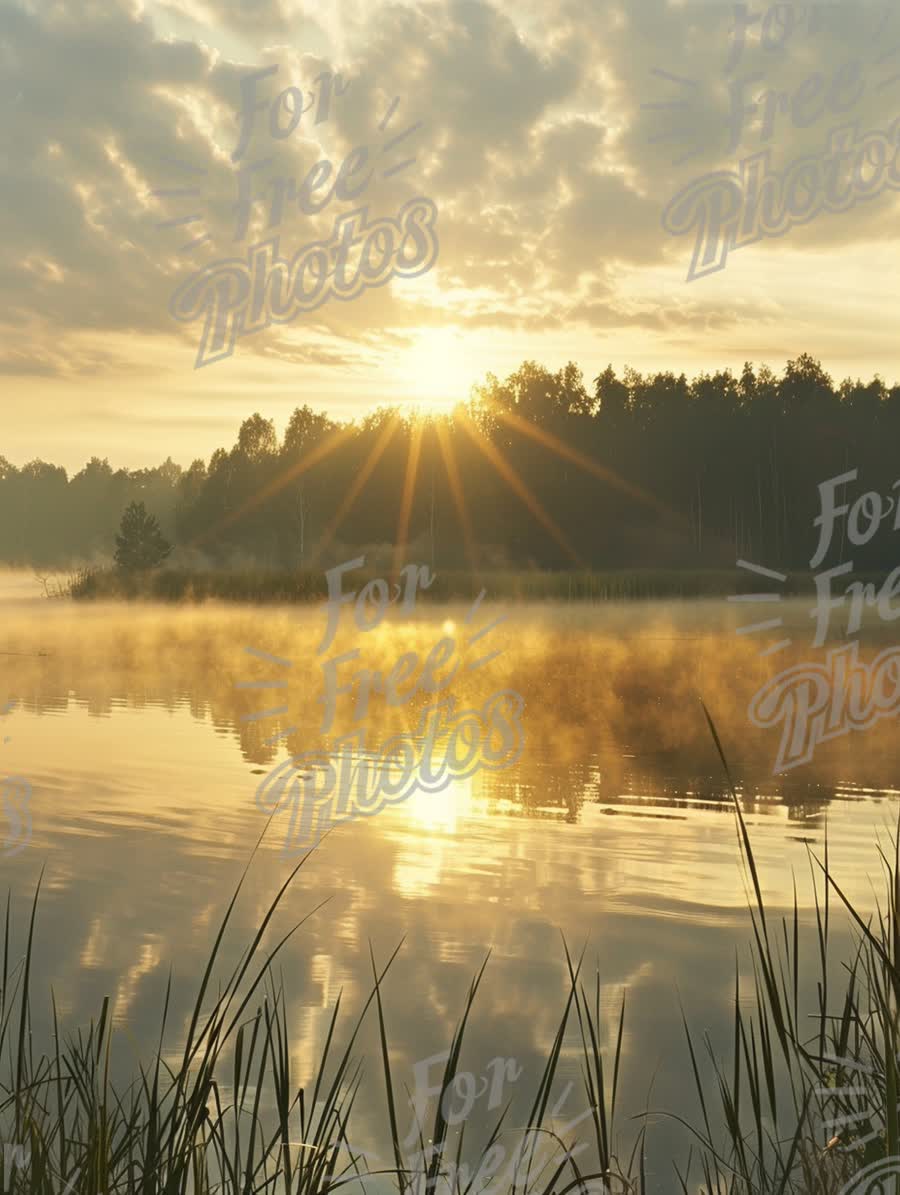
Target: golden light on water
148	696
438	813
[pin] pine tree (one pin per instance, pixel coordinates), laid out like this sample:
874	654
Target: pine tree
140	543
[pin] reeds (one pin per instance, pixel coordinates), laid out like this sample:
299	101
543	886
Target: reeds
793	1111
789	1112
302	585
228	1117
172	584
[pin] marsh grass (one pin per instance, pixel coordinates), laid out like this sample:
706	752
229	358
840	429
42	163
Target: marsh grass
171	584
788	1112
259	585
228	1116
793	1111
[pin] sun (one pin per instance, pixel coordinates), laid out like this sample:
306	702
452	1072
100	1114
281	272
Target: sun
434	372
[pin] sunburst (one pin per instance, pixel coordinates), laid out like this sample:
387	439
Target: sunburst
320	453
356	488
509	475
406	500
457	493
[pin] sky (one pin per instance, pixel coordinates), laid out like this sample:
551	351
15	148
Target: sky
542	172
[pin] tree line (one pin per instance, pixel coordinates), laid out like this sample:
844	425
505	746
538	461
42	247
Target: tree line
537	471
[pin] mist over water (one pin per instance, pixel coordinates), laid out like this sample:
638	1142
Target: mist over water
614	829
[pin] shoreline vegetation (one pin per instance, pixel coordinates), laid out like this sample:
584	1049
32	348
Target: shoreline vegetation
540	471
226	1114
310	585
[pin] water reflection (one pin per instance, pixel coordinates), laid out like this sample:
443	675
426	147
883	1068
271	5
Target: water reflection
615	828
611	694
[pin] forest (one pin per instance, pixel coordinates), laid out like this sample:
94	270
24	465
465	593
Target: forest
535	472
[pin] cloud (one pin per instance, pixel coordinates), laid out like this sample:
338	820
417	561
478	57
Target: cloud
544	133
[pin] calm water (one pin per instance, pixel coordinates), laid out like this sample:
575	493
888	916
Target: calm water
613	830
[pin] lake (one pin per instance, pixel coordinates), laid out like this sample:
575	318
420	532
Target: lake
614	830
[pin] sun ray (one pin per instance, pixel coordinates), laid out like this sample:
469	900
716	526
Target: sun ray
456	492
548	440
515	483
361	478
409	487
328	445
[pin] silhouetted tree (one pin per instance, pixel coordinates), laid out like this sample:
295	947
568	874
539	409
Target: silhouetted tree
140	543
531	471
